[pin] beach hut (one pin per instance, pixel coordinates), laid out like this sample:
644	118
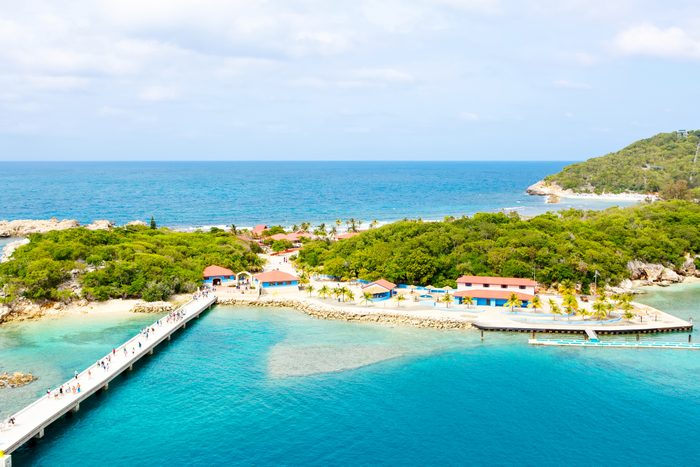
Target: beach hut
276	279
217	275
380	290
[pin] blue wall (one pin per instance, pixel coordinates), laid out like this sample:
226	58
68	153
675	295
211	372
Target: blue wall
224	279
268	285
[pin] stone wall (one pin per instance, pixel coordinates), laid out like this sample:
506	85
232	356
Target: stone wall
326	311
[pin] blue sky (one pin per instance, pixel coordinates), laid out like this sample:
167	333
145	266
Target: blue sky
306	79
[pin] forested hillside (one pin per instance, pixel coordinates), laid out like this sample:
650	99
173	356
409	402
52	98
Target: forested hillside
569	245
127	262
663	163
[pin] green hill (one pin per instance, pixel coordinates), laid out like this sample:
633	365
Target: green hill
661	164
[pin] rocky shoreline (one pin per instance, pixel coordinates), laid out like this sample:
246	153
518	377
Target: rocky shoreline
325	311
553	192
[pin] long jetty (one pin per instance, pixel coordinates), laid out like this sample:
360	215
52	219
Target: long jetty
31	421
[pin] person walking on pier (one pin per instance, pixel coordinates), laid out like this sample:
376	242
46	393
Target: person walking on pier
75	374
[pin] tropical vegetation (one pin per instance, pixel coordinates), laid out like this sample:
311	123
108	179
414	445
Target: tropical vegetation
666	163
126	262
563	247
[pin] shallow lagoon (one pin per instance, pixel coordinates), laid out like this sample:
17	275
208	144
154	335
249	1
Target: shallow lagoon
273	386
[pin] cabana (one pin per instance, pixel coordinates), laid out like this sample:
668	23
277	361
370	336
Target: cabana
380	290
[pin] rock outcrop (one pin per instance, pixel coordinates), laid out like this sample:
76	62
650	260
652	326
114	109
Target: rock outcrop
544	188
15	379
152	307
326	311
653	273
100	225
22	228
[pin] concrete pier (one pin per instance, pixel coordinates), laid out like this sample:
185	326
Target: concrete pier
31	421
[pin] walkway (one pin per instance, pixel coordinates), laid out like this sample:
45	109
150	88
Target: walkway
616	344
31	421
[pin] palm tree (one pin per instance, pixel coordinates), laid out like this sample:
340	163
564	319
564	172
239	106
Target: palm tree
600	307
535	303
334	231
513	302
310	289
554	308
447	299
349	295
352	224
570	303
468	301
234	230
399	298
305	226
373	224
627	309
338	292
338	222
366	297
320	230
324	291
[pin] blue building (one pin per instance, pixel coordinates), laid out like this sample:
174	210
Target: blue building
217	275
275	279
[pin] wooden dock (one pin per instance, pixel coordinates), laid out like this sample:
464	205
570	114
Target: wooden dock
31	421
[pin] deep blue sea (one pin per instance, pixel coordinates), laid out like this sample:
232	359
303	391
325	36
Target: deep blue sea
190	194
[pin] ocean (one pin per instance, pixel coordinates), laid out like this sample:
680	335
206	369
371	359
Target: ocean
246	386
196	194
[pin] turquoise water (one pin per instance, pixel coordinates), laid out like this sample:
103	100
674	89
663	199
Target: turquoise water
186	194
273	386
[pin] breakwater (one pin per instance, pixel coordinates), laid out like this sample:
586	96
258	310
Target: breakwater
322	310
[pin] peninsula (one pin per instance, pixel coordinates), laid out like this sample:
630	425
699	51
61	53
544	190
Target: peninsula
663	166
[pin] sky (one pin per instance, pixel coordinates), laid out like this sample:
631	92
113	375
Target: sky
332	80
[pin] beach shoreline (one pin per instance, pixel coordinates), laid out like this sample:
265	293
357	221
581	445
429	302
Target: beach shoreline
552	189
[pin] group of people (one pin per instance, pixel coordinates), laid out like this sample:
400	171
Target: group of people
73	386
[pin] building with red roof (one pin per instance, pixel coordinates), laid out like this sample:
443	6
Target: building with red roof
380	289
270	279
217	275
494	291
258	230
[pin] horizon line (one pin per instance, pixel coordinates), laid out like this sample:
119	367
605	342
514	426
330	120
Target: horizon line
290	160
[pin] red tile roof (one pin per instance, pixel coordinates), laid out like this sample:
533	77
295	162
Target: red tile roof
275	276
496	281
345	235
502	294
292	237
258	229
382	283
212	271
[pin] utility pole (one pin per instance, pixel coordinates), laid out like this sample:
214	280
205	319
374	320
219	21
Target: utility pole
595	280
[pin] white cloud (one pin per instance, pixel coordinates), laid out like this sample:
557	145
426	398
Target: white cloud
566	84
159	93
650	40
